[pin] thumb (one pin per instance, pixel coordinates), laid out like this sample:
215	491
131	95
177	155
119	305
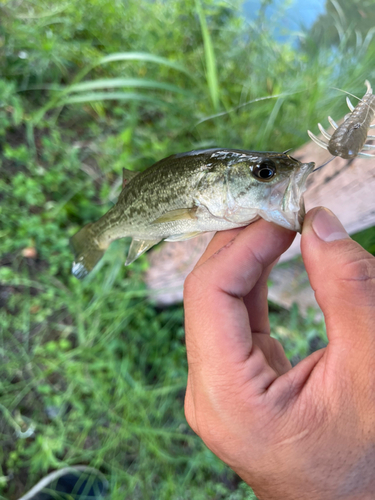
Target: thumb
342	274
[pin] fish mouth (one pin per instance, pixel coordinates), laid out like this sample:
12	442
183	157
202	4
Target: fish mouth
285	204
303	172
293	202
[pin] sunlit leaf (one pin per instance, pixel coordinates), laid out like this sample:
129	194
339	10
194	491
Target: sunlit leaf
142	57
126	82
105	96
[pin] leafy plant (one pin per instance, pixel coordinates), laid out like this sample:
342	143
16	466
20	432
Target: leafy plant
92	372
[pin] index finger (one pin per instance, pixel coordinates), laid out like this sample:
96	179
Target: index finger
217	323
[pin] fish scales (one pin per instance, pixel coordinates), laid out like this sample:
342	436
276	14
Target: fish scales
156	191
190	193
153	184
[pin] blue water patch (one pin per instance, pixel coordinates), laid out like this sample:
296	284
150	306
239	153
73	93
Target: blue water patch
287	18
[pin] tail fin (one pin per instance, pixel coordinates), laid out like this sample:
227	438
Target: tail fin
87	251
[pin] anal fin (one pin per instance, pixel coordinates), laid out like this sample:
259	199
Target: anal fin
137	248
183	236
179	214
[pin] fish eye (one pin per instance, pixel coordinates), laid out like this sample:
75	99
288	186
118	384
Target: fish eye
264	170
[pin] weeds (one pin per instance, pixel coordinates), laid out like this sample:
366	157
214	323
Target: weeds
92	373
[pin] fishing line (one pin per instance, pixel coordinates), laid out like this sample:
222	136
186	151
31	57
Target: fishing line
324	164
252	101
346	92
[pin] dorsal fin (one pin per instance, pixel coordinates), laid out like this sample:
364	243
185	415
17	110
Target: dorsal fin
127	176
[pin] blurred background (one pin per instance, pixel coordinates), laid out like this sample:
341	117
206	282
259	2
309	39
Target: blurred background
94	372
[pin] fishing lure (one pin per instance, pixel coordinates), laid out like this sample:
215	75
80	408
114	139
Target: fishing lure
348	139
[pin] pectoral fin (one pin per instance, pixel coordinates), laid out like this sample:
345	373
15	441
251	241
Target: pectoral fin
183	236
179	214
137	248
127	176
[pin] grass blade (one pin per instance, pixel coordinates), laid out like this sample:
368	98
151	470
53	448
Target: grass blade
126	82
211	69
115	57
142	57
105	96
107	83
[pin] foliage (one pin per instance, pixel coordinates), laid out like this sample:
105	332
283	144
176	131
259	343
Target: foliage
298	335
91	372
366	239
345	23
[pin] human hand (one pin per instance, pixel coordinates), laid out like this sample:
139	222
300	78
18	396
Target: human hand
306	432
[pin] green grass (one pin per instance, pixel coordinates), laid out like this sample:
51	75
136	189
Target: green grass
88	88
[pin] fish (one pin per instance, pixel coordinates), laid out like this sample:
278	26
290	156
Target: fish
348	139
190	193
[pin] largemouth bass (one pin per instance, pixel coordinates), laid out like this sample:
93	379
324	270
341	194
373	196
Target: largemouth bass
186	194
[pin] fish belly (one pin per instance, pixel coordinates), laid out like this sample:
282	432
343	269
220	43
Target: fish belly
203	222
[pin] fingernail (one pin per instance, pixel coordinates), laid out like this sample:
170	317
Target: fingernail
327	226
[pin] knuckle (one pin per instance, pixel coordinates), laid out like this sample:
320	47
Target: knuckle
193	283
360	270
208	429
198	421
350	274
189	286
201	412
357	277
350	277
190	415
